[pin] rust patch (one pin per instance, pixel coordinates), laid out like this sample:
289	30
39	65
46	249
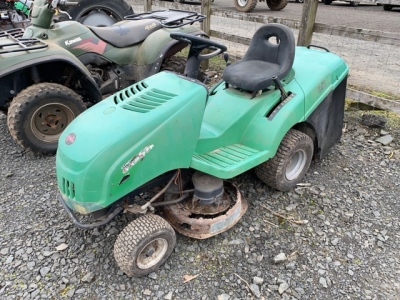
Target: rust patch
205	222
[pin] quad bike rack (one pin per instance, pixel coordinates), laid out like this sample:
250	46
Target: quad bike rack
17	43
172	18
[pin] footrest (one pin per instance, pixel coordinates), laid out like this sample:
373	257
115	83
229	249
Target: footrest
230	161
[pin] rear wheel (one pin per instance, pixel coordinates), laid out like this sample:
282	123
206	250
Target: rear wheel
277	4
327	2
144	245
99	12
387	7
245	5
178	64
291	162
39	114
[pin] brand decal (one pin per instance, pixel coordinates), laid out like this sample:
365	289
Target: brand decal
131	163
92	45
151	26
73	41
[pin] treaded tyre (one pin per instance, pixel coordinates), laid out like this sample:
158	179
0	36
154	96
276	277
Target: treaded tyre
144	245
178	64
39	114
174	64
245	5
277	4
291	162
99	12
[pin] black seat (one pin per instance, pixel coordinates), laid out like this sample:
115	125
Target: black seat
264	59
126	33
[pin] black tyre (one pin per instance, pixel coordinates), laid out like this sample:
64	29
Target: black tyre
299	1
354	3
387	7
277	4
245	5
178	64
39	114
99	12
327	2
144	245
174	64
291	162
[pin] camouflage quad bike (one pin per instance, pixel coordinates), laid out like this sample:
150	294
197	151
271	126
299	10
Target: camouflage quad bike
55	70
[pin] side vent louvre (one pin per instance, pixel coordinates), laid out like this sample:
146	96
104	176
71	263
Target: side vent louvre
68	188
141	99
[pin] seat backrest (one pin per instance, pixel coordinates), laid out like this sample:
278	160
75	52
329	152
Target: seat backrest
273	43
271	53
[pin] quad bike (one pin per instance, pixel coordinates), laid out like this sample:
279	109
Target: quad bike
249	5
87	12
55	70
169	142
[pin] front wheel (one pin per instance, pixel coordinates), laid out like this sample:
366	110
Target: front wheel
327	2
99	12
39	114
291	162
277	4
387	7
245	5
144	245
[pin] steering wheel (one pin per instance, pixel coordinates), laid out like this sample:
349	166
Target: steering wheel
198	44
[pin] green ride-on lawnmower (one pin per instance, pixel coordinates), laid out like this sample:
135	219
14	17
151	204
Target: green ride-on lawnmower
51	72
167	143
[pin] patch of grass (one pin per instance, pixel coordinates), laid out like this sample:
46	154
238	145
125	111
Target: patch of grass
379	94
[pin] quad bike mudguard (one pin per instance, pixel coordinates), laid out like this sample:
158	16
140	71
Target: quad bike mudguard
45	54
149	115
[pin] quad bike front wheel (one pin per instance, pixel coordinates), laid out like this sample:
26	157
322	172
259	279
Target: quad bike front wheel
39	114
291	162
277	4
144	245
245	5
99	12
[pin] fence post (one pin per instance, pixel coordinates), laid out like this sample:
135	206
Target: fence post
147	6
307	22
206	24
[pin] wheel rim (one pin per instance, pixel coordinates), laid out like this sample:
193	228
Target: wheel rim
242	3
49	121
152	253
296	165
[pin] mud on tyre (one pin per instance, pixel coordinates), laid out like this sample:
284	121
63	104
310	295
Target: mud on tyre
39	114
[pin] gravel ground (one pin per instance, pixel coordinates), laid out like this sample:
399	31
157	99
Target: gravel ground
346	248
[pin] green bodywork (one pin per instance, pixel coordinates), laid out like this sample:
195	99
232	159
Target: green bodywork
168	122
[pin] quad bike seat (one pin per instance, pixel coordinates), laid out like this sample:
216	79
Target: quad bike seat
264	59
127	33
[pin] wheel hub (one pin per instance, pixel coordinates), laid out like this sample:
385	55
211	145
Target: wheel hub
198	220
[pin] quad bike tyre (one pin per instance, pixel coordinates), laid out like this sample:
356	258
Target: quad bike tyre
39	114
292	160
99	12
245	5
277	4
144	245
178	64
